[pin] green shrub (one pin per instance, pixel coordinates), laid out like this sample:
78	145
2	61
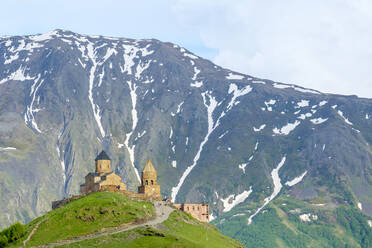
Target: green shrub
11	234
16	231
3	241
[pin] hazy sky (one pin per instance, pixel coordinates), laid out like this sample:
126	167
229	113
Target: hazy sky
324	45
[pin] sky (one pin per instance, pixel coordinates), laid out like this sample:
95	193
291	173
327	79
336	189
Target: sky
323	45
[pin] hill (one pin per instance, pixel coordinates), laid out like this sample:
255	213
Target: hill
108	219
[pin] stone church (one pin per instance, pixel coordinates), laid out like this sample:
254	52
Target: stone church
105	179
103	176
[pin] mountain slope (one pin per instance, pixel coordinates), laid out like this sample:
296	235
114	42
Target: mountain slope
287	222
213	135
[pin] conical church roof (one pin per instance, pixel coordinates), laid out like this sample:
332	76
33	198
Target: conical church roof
103	156
149	167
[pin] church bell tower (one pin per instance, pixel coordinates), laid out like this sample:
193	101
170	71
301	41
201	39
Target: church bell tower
149	185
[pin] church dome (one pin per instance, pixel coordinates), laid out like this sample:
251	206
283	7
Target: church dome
102	156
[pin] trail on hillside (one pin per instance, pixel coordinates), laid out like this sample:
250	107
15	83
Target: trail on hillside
162	212
32	232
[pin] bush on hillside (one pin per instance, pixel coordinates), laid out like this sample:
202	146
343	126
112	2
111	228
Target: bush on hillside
11	234
3	241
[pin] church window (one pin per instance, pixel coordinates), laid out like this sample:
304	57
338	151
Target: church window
147	182
152	182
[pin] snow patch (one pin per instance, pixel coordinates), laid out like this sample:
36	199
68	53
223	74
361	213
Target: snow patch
196	72
360	206
304	116
18	75
233	76
260	128
232	200
197	84
242	167
318	121
223	134
322	103
233	88
174	164
211	217
44	37
308	217
130	52
236	215
191	56
269	104
258	82
133	96
302	103
11	59
296	180
277	187
7	148
141	67
171	133
91	52
287	128
29	115
303	90
339	112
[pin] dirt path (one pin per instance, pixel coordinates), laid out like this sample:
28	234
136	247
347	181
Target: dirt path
32	233
162	213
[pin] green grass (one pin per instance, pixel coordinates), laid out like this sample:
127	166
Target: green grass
88	215
180	230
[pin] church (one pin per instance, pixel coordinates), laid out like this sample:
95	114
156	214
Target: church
105	179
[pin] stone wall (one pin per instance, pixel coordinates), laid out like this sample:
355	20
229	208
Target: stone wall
197	210
60	203
131	194
103	166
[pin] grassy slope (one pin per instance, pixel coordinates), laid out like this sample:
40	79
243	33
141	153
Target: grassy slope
106	209
180	230
279	225
88	215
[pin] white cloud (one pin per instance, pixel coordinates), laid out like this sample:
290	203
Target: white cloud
325	45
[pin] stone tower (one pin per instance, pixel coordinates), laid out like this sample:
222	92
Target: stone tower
103	178
103	163
149	185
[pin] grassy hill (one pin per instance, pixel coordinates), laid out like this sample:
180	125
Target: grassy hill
180	230
99	212
287	222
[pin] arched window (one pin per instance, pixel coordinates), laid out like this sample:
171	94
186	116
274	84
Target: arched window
193	208
147	182
152	182
187	208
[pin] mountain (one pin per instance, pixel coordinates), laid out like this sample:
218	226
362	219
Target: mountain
214	135
109	219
